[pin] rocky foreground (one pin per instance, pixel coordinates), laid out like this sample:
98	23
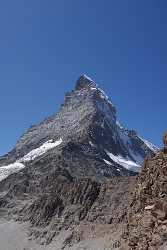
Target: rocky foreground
57	202
148	213
121	213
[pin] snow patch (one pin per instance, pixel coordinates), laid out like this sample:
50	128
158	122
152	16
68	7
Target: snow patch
41	150
87	77
150	207
91	144
103	94
107	162
149	144
126	163
5	171
15	167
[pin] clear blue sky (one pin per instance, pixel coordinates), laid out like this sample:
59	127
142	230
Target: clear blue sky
46	45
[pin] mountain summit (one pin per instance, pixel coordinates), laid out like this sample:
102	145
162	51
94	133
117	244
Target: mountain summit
84	137
85	82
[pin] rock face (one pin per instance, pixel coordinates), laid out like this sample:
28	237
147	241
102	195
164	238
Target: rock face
148	214
84	135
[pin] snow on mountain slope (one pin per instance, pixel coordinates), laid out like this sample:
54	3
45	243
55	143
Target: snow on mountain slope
126	163
15	167
41	150
149	144
5	171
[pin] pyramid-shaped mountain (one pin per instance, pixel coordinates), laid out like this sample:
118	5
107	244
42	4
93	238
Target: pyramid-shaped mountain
84	137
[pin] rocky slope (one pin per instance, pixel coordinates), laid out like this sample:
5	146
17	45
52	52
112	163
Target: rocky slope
148	213
54	202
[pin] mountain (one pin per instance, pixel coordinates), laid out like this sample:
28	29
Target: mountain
71	180
84	137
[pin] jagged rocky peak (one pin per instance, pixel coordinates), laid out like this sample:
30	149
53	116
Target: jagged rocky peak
85	82
87	136
87	87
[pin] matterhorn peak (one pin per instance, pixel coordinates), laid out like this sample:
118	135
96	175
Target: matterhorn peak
87	120
66	167
85	82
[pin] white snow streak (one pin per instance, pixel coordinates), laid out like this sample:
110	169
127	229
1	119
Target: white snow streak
15	167
87	77
5	171
150	207
126	163
41	150
107	162
149	144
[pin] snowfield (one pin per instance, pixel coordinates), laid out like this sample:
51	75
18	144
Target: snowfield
5	171
149	144
126	163
15	167
41	150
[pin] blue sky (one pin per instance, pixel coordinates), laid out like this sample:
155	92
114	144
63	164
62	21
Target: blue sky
46	45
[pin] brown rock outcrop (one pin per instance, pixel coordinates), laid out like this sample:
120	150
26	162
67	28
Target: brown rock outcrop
148	212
